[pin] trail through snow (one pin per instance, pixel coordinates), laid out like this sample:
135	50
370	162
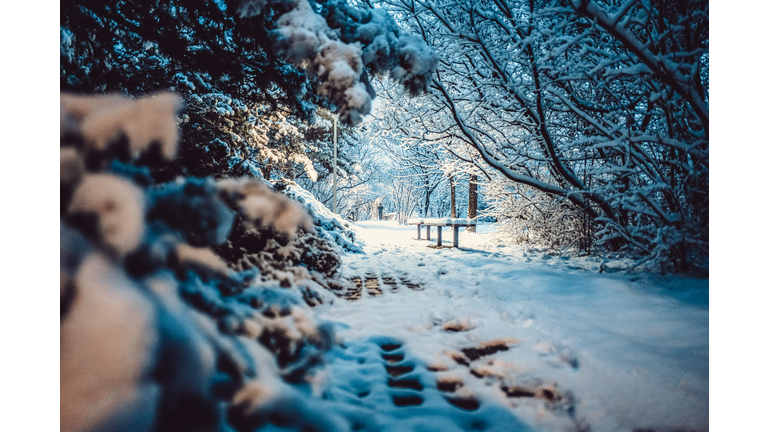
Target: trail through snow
488	337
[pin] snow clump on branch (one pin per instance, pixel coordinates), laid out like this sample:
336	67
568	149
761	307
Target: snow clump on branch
408	59
303	37
370	41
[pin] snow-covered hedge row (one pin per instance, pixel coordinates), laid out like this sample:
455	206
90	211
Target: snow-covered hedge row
184	306
329	225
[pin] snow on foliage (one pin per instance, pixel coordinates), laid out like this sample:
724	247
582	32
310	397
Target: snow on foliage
369	38
331	226
163	325
441	221
257	98
526	217
408	59
588	120
101	121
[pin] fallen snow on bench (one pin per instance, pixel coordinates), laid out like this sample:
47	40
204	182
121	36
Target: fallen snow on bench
442	221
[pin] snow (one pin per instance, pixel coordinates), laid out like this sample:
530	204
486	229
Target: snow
329	225
442	221
620	352
305	39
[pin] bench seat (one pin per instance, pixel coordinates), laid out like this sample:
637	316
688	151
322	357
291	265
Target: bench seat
440	223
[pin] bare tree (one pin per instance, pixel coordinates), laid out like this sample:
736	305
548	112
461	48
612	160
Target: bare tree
604	105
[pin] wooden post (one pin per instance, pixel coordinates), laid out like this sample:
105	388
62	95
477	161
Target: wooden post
428	230
455	236
418	231
439	236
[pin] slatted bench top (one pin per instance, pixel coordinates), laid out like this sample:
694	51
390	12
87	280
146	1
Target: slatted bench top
440	223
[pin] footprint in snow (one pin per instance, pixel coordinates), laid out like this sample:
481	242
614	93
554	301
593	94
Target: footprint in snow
374	286
407	387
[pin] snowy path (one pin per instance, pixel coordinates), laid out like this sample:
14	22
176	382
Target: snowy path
574	350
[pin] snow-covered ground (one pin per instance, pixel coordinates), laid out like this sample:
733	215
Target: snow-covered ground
575	349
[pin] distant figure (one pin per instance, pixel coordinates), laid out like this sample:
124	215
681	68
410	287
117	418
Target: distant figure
381	211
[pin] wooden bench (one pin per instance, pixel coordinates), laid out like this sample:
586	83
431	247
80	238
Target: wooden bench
440	223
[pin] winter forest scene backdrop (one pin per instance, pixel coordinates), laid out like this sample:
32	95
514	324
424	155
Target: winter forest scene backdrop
384	215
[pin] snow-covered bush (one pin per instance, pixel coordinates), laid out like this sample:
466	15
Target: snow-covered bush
184	306
527	217
328	225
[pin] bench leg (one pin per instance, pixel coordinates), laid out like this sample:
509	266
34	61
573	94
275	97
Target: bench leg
428	230
439	236
418	231
455	236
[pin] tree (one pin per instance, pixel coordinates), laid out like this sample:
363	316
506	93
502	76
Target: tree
252	73
472	206
415	161
403	198
601	104
359	169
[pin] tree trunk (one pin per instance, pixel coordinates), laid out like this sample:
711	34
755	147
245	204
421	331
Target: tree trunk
453	196
266	171
472	207
426	198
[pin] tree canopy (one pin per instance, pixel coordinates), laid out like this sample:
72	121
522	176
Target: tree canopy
252	73
593	110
